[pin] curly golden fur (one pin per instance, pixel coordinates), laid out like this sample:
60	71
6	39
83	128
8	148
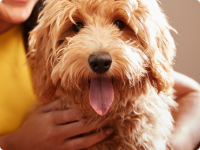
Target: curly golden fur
142	55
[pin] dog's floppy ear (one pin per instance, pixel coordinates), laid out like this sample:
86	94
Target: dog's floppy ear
38	58
44	41
161	71
153	31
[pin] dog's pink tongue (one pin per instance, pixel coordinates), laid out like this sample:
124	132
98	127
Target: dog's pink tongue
101	95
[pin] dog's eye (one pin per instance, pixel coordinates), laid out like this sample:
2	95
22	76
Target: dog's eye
76	27
119	24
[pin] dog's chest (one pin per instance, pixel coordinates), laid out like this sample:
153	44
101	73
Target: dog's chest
144	123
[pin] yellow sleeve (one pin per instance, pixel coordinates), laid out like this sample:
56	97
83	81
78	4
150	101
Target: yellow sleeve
16	94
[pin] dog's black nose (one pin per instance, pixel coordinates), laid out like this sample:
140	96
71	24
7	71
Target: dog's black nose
100	62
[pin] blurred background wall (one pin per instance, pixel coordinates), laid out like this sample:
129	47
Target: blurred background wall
184	16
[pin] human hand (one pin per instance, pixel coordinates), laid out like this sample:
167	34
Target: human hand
48	128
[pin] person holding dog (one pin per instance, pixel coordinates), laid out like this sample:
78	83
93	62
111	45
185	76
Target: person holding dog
48	128
45	129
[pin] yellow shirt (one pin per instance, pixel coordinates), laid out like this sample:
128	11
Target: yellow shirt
16	94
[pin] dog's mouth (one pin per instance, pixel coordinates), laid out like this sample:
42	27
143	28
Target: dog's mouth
101	95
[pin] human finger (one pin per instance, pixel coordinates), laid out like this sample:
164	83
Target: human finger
87	141
73	129
49	107
65	116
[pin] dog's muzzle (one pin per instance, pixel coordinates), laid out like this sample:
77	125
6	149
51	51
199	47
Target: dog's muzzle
101	93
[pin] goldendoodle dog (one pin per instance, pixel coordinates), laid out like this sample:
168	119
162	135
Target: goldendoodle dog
112	60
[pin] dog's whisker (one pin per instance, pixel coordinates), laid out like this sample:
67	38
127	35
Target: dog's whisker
59	52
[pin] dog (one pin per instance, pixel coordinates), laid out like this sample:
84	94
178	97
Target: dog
112	60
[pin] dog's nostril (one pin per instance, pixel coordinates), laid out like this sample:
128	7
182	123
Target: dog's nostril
100	62
107	65
94	65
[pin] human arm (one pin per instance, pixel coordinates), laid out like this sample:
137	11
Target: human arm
46	129
186	134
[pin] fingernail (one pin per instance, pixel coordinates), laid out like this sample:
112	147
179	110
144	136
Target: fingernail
109	131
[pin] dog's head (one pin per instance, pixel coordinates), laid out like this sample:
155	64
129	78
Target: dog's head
101	47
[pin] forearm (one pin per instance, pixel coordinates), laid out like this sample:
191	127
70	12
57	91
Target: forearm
186	134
